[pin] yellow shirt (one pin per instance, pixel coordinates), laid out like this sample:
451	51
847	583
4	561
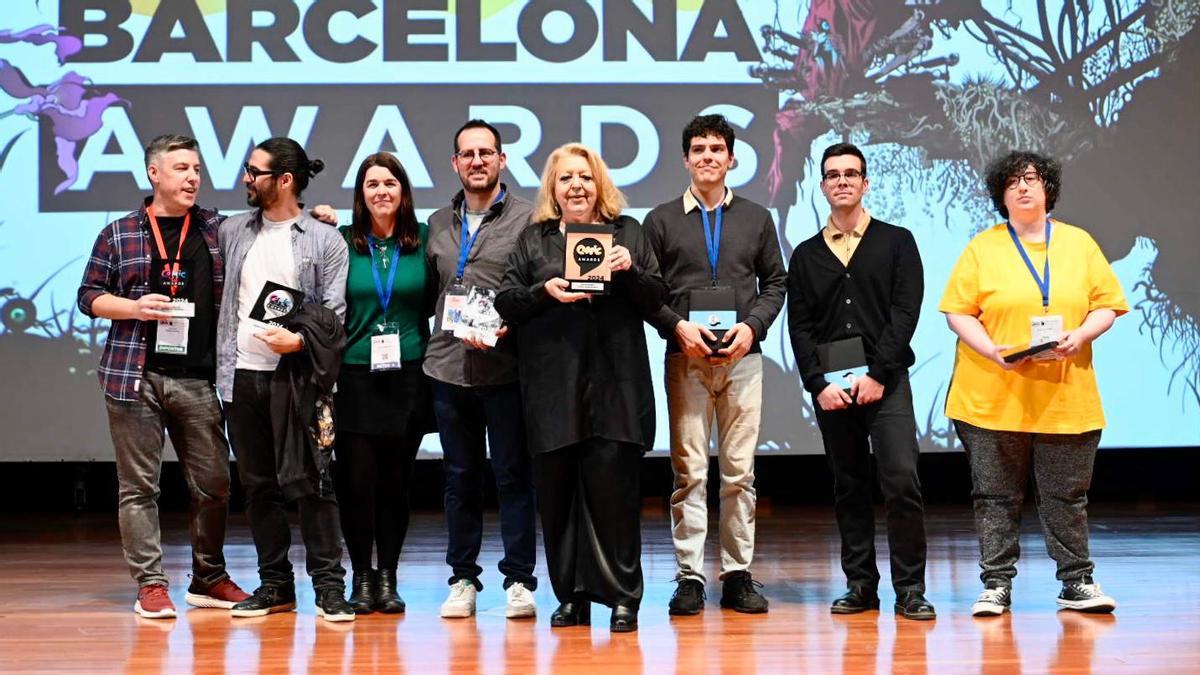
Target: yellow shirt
992	283
844	244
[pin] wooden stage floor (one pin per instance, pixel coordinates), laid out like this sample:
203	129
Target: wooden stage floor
66	606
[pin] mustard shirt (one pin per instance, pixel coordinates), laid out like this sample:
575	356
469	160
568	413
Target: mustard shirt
992	283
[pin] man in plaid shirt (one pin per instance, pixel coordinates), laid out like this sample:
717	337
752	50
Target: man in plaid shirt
157	274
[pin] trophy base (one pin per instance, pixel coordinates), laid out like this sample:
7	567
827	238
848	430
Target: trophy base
594	287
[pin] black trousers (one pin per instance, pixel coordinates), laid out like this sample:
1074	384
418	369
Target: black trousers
889	429
373	477
589	498
249	417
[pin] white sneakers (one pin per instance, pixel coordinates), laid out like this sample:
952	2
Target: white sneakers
992	601
460	604
520	602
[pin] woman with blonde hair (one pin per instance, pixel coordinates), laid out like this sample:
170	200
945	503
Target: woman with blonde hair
585	382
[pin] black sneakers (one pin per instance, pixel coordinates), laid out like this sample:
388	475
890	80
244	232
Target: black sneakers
1084	595
267	600
331	606
688	599
738	593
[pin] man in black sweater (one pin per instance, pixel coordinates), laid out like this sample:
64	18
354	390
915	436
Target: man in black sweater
854	294
720	257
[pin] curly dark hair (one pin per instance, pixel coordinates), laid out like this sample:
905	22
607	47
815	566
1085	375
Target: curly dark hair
1001	169
708	125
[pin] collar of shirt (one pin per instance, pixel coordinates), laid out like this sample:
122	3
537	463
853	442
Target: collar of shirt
690	202
832	233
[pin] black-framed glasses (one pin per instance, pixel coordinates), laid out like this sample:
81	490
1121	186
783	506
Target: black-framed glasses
1031	178
485	155
850	175
254	172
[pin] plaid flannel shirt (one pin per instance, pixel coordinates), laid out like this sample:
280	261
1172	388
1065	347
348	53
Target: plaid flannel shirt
120	265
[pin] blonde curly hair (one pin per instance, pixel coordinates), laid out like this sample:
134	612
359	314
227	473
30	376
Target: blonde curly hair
609	200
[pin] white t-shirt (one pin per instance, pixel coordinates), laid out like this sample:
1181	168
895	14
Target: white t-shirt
474	220
269	259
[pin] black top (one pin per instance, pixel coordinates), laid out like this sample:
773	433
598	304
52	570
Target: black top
200	360
583	366
749	262
877	297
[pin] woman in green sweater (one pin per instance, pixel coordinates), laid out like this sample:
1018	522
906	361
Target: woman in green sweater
383	398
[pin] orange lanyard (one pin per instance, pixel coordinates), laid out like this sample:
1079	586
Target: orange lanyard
162	248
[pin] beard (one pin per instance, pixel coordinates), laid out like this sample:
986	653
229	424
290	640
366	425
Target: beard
261	197
487	187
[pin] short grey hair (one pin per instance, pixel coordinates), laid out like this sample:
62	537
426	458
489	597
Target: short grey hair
161	145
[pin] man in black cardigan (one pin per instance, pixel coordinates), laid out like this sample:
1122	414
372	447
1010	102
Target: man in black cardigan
860	279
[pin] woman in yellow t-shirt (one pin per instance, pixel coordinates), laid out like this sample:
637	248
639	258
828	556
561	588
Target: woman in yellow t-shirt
1026	282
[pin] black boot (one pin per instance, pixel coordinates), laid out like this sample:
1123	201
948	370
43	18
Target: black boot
572	613
362	591
386	598
624	619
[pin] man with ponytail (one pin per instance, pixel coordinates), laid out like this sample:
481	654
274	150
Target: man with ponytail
276	245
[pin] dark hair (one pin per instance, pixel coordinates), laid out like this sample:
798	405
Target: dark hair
707	125
839	149
161	145
998	172
288	157
407	230
477	124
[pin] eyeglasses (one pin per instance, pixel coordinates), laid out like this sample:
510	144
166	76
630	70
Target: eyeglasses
254	172
485	155
1031	178
850	175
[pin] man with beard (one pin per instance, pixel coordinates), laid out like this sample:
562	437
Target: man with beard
854	295
720	257
277	243
157	275
475	387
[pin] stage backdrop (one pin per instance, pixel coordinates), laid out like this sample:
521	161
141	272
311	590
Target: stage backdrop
931	89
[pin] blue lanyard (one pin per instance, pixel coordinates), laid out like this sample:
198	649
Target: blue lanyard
1043	282
465	245
712	234
385	295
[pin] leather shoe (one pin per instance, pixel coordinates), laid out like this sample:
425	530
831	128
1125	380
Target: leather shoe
572	613
624	619
857	599
387	600
913	605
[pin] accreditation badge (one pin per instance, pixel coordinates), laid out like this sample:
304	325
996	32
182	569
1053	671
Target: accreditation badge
454	308
385	347
172	337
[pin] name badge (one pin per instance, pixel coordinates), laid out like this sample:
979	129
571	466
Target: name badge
385	347
1042	329
172	337
454	307
714	309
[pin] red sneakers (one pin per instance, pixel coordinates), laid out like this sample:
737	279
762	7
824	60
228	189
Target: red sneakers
222	595
154	603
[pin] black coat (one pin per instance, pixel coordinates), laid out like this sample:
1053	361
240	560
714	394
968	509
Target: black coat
301	401
583	366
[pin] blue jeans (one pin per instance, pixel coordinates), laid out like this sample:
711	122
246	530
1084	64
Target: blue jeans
188	410
463	416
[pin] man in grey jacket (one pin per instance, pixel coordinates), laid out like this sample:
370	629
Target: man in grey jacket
720	257
270	252
475	389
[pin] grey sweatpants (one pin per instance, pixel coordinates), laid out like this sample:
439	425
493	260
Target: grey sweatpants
1001	463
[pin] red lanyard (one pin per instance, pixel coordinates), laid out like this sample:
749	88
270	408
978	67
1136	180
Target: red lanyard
162	248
